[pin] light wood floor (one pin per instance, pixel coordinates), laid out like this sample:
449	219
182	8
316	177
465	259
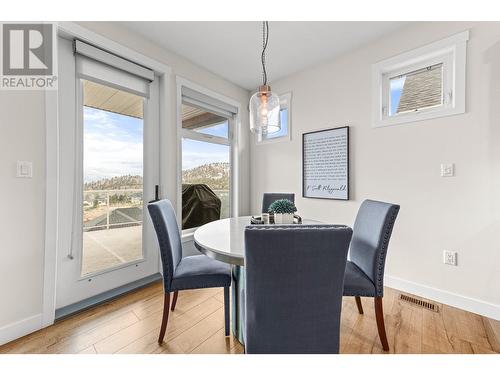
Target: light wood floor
130	324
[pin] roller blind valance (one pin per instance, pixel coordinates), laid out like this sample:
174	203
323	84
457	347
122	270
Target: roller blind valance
202	101
103	67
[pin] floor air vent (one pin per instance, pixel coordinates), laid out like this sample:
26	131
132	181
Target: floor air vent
418	302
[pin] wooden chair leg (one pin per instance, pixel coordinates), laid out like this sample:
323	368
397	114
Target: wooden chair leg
379	314
226	310
166	305
174	300
358	304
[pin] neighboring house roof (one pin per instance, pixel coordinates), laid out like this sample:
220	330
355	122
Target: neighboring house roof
421	89
123	215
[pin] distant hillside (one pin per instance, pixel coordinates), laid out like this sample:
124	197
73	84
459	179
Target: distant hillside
215	175
115	183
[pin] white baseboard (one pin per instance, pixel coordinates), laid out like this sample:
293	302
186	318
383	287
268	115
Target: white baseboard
476	306
20	328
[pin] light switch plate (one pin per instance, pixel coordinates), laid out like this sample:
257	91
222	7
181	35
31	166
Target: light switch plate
447	170
450	257
24	169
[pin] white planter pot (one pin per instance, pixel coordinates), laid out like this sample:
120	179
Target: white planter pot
283	218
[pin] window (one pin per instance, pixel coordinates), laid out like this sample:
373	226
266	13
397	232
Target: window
206	124
206	166
416	91
285	115
425	83
113	132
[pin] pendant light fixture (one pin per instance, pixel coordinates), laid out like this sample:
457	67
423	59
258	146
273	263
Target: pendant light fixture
264	104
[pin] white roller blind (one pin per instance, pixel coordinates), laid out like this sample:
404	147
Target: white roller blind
103	67
197	99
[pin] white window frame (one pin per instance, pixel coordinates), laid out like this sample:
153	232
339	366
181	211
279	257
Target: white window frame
451	52
231	141
285	102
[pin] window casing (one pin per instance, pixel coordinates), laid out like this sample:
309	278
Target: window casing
427	82
285	117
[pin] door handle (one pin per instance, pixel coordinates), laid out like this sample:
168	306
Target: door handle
157	197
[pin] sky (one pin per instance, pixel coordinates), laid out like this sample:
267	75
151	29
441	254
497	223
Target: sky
218	130
196	153
396	91
113	146
283	129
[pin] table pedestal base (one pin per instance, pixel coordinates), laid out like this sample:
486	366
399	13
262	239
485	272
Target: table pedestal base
238	303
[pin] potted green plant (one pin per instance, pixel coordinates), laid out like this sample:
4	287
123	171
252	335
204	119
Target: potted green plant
283	210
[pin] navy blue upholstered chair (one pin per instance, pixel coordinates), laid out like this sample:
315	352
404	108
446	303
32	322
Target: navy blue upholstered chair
269	198
193	272
364	275
293	304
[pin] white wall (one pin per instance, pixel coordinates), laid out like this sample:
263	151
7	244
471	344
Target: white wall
401	164
22	223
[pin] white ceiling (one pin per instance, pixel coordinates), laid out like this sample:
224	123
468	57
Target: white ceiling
232	49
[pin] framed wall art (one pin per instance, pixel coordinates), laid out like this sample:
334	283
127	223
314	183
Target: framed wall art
325	164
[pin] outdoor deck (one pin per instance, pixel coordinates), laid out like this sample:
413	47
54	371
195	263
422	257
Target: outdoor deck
108	248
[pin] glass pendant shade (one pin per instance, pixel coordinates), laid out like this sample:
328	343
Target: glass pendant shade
264	111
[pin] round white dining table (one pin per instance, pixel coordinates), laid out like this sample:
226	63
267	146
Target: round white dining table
224	240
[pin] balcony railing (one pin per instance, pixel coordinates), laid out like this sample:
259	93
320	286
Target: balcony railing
106	209
118	208
224	197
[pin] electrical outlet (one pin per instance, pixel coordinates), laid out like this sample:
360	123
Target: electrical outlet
450	257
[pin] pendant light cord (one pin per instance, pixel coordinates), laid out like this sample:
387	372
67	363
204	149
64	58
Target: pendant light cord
265	38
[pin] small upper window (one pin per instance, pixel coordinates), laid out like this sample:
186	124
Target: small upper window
285	131
421	84
417	90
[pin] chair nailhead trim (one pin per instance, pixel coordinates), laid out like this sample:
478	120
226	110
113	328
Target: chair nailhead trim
295	227
385	244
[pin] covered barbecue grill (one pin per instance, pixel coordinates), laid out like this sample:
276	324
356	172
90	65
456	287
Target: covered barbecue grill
200	205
